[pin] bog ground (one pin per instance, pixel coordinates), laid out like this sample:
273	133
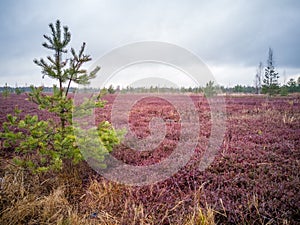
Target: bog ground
254	179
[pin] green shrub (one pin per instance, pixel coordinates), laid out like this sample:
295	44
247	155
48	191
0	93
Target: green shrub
6	91
18	91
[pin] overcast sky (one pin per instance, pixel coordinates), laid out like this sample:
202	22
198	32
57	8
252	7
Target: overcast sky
231	37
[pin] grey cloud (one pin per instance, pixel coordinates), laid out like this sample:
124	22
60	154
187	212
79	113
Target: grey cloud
222	33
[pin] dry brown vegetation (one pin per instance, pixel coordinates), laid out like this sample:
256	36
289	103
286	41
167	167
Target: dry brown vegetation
65	199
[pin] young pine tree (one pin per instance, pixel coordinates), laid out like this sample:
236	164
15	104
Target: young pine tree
210	89
270	80
64	69
45	145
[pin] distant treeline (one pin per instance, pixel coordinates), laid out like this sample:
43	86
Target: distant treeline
19	90
291	88
210	87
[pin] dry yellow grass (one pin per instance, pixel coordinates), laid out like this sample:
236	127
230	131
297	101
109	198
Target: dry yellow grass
26	198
